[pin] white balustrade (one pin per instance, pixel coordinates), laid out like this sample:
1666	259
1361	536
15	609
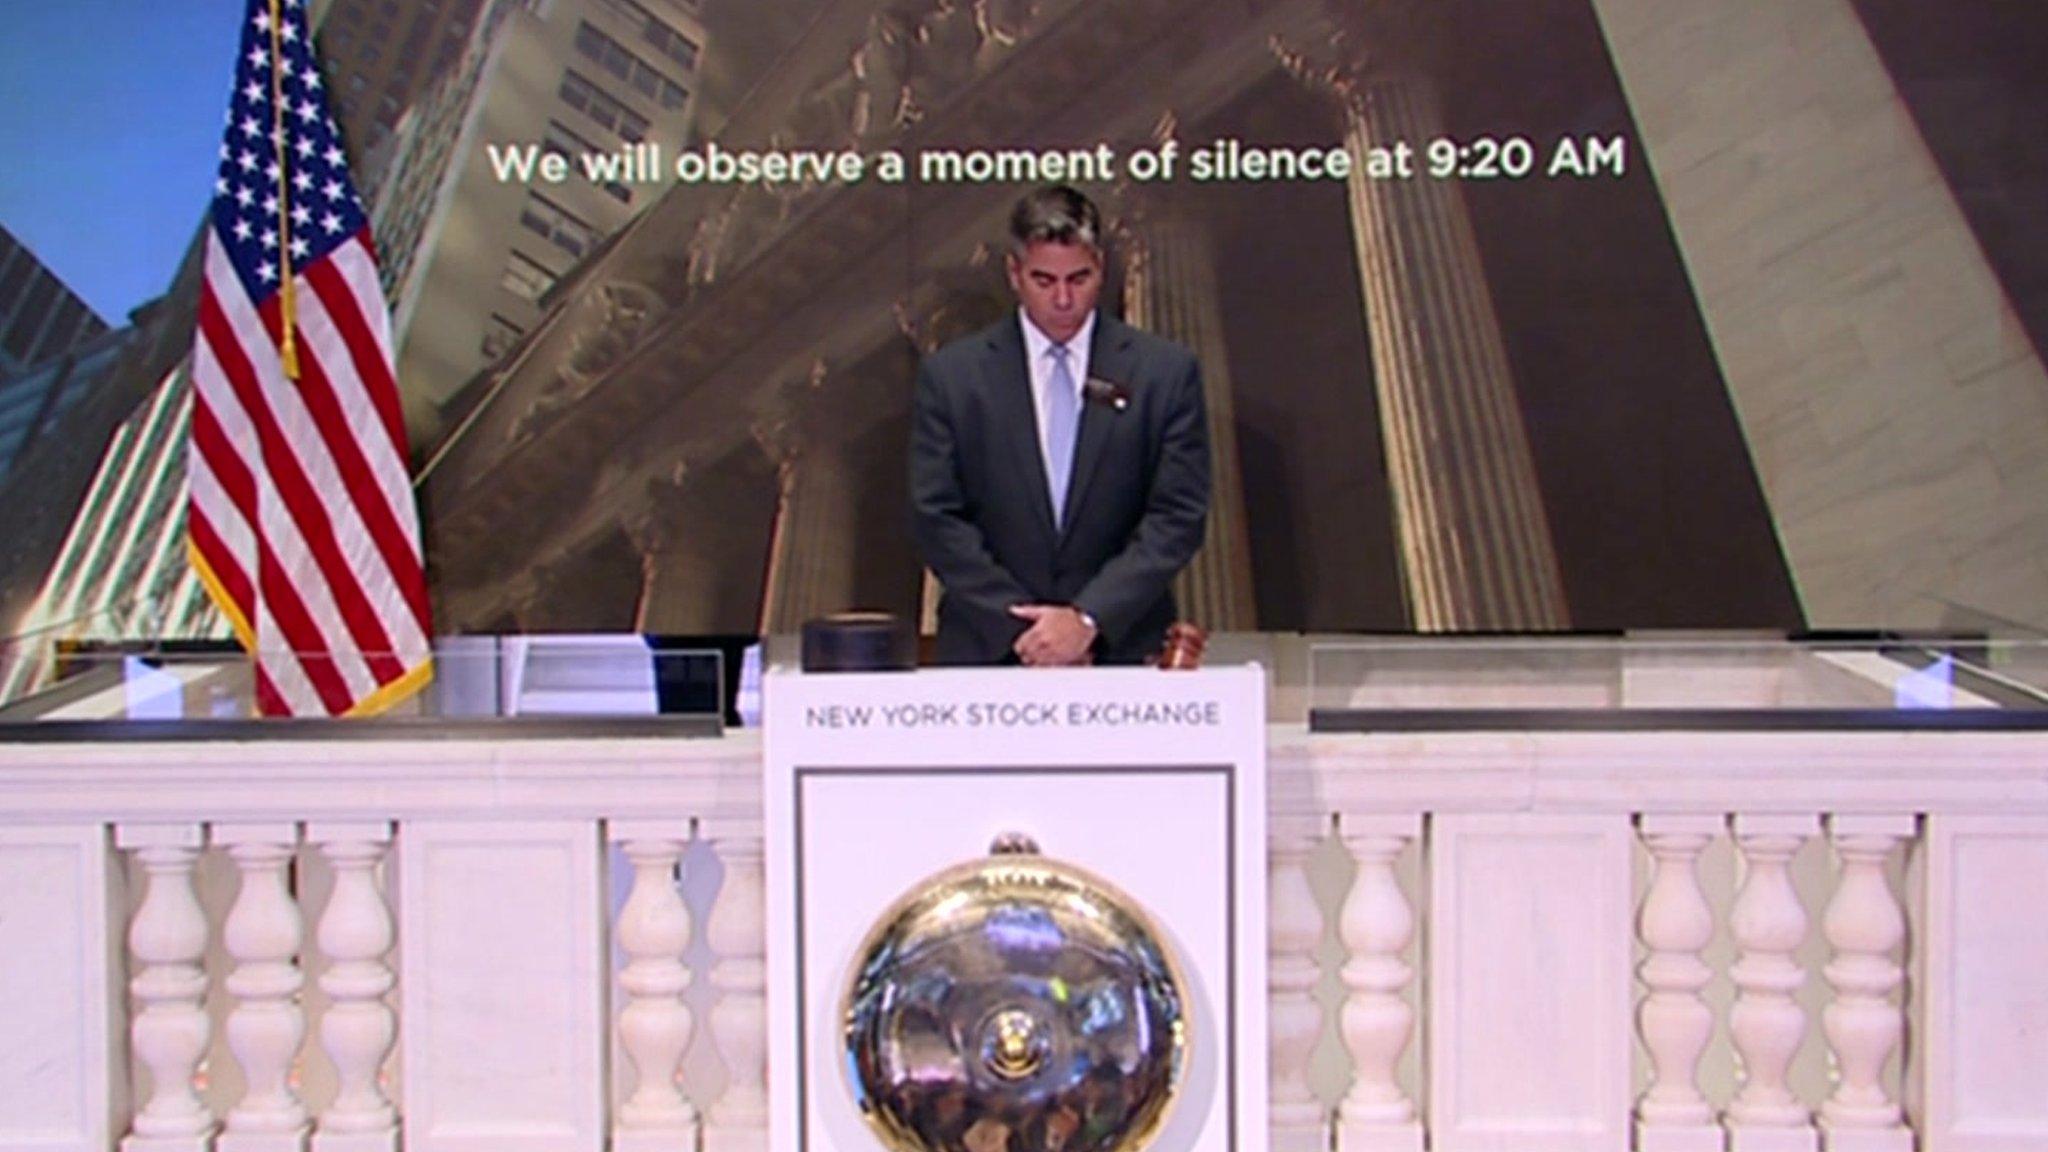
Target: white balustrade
358	1028
652	931
267	1024
1377	925
1938	1069
1675	924
1864	924
1767	1023
737	934
171	1029
1294	928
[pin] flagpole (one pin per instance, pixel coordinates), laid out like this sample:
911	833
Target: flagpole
286	302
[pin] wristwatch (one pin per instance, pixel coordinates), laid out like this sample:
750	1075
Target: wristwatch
1087	618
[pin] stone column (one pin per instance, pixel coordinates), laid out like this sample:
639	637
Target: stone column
1820	235
811	553
699	534
548	594
678	575
811	428
1476	548
968	297
1170	288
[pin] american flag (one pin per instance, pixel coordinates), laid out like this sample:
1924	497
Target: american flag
302	519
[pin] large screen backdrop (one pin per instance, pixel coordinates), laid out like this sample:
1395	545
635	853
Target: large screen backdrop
1515	315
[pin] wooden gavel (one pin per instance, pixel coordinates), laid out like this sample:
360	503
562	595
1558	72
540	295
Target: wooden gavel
1183	647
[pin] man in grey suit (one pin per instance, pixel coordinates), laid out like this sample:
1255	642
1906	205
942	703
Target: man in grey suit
1059	463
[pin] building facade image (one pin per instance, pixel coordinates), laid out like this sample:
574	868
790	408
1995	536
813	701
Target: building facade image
470	249
1601	361
1773	366
39	316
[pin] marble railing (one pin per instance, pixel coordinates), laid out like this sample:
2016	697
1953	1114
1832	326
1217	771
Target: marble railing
1661	939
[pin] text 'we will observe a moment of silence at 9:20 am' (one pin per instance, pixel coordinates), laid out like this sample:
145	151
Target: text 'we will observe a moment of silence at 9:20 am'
1227	159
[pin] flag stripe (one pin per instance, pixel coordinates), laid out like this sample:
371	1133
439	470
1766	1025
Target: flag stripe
301	632
394	531
282	605
308	517
223	465
354	271
269	700
326	454
281	426
326	450
307	679
233	582
336	309
220	360
224	498
223	493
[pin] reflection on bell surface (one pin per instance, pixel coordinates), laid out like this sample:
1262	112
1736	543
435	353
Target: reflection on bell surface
1015	1004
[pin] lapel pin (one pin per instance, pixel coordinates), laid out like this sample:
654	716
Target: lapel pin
1100	391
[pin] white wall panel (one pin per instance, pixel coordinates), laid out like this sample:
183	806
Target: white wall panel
1530	988
59	985
1985	1064
502	985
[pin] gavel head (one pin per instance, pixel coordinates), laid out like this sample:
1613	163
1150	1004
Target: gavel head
1184	645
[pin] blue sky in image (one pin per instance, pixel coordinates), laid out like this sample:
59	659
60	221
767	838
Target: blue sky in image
110	127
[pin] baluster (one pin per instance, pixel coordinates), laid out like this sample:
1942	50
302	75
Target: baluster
267	1025
1377	925
357	1030
1864	923
1675	923
739	1022
1766	1022
654	1026
1294	928
171	1029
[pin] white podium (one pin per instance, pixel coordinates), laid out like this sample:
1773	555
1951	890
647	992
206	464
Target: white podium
1153	780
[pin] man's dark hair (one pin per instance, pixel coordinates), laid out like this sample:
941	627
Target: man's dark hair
1058	214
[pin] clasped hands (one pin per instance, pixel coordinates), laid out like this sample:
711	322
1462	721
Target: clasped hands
1058	636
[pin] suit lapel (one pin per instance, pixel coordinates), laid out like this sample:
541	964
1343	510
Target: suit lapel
1109	358
1017	416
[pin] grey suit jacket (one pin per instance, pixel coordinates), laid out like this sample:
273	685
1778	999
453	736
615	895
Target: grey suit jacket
1136	503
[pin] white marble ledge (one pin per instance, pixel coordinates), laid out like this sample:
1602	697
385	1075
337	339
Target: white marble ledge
715	778
2004	773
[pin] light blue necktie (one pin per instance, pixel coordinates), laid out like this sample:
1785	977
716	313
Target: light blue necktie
1062	424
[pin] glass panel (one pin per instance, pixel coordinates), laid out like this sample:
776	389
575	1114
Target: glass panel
1677	673
699	682
117	663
